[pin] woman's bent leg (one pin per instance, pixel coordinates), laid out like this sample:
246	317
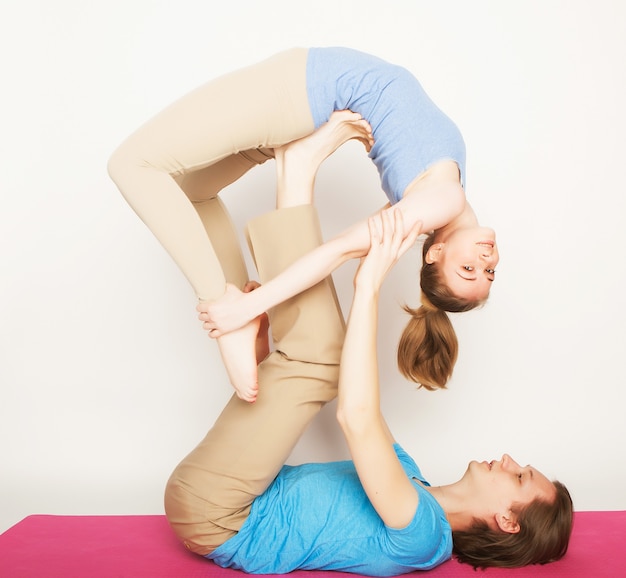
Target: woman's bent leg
209	495
238	348
257	107
202	187
172	168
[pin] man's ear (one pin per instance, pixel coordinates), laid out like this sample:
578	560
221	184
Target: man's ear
434	253
508	523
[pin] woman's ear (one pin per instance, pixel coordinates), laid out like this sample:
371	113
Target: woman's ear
434	253
508	523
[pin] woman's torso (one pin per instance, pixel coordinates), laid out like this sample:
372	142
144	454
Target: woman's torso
411	133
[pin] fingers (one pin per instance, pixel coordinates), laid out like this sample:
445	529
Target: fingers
375	234
411	237
388	242
387	229
217	314
251	286
213	333
408	239
209	326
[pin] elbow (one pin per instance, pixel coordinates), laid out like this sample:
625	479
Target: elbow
341	417
457	200
451	203
354	422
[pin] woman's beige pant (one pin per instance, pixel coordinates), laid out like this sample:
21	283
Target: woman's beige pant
209	494
172	168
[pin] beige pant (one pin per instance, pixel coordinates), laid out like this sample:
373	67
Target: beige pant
209	494
173	167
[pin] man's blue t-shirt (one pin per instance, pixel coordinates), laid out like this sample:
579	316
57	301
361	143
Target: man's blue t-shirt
411	133
317	517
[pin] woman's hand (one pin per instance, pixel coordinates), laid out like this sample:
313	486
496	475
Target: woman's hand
388	242
226	314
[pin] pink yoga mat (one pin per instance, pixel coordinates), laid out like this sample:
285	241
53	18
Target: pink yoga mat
43	546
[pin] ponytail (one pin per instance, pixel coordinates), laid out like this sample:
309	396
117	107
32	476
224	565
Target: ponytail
428	347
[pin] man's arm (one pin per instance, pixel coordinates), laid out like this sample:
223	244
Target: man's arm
358	404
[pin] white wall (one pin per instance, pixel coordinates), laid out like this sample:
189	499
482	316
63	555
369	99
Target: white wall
106	377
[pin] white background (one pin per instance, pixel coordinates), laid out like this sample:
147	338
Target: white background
106	378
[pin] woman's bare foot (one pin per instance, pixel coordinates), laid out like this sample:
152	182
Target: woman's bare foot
262	343
238	351
243	349
297	162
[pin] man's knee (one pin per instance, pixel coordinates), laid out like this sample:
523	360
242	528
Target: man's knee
192	520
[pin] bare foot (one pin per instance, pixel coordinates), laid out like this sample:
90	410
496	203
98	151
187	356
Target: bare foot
342	126
243	349
239	354
297	162
262	344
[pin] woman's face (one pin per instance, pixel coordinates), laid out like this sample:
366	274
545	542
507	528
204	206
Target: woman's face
467	260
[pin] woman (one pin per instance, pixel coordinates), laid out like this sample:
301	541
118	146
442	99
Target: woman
233	501
172	169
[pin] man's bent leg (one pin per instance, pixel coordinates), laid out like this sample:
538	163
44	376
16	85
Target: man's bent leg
208	497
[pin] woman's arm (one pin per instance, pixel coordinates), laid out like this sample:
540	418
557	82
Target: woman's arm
236	308
358	407
433	201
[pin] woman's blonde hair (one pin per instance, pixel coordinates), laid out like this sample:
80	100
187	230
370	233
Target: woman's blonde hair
428	347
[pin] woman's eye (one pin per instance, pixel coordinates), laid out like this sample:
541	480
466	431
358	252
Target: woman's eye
519	477
491	271
468	267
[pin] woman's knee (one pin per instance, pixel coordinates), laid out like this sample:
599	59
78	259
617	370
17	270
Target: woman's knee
121	164
115	165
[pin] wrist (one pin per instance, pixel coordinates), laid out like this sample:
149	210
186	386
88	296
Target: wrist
366	292
252	304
